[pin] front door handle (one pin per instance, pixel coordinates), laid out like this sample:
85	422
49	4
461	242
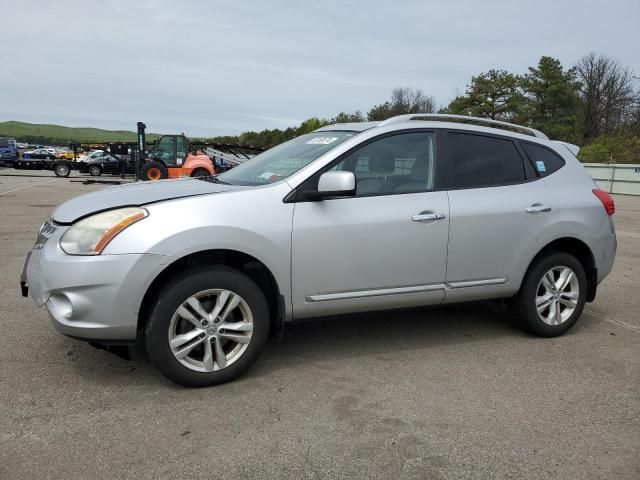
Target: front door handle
538	208
427	217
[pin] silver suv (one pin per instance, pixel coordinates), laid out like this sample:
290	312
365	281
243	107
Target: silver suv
416	210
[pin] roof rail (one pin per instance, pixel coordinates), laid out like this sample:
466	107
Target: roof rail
440	117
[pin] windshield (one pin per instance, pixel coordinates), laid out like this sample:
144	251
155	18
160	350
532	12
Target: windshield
285	159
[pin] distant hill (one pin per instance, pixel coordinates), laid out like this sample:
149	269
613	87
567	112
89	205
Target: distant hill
60	135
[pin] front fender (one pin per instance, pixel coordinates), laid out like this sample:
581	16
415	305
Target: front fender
256	223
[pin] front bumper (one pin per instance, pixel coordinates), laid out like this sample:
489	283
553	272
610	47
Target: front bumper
95	298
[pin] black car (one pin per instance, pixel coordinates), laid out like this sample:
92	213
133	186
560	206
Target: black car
107	163
38	154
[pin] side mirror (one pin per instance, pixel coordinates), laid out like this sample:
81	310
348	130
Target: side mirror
334	184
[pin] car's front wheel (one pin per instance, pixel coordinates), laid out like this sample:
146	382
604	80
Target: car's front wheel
95	170
207	327
552	295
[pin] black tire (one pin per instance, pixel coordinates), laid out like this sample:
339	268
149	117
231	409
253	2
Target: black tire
95	170
174	293
154	170
523	305
200	172
62	169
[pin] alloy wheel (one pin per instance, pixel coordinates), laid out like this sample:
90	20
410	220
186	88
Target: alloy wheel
557	295
210	330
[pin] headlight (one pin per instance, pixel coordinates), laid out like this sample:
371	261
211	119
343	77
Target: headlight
90	235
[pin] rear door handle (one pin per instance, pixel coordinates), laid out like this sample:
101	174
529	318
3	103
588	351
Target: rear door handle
538	208
427	217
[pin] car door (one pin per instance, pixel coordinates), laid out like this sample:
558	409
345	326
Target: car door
501	211
384	248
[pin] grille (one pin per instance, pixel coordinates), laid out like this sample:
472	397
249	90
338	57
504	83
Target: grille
44	234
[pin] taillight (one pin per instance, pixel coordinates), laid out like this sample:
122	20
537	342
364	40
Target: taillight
607	201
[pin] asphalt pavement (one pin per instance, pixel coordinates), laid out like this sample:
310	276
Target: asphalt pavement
441	393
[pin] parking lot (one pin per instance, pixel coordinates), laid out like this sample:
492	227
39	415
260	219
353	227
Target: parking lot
453	392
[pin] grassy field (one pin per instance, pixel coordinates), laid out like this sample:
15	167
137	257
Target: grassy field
60	135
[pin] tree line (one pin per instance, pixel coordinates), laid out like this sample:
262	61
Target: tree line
594	103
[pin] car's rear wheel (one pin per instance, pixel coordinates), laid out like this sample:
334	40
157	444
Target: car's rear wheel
552	295
207	327
95	170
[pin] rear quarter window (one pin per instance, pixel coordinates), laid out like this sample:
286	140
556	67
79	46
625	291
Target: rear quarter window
544	160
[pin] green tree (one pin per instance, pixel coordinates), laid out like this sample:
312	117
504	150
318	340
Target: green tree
310	125
495	94
380	112
551	100
403	100
616	148
343	117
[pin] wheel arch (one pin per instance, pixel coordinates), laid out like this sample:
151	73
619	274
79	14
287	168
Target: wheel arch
241	261
199	161
155	159
582	252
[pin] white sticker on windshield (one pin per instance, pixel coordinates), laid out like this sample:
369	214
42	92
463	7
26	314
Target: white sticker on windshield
322	140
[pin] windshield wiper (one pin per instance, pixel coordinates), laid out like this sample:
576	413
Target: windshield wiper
215	179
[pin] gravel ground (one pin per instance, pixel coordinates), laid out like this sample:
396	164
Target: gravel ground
445	393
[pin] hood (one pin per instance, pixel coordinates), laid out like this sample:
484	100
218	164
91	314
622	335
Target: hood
134	194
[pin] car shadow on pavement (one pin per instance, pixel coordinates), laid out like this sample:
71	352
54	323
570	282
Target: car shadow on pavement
386	333
345	337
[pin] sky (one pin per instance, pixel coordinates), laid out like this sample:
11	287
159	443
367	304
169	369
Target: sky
223	67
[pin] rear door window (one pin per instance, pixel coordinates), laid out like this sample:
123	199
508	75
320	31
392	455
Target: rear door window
545	161
476	161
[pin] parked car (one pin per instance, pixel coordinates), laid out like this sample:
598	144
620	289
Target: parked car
38	154
94	155
107	163
66	154
416	210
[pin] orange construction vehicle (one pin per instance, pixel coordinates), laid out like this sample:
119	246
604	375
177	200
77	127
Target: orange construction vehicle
171	157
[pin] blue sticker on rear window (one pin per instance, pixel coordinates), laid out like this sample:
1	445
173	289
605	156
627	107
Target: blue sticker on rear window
540	166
